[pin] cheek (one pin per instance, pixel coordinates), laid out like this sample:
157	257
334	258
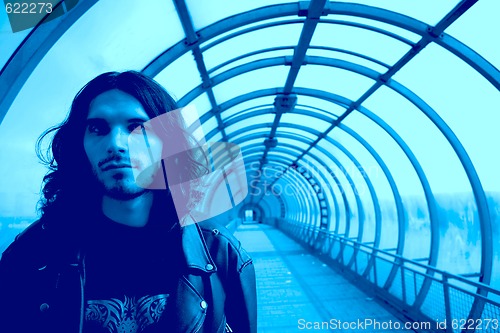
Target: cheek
144	150
143	157
90	149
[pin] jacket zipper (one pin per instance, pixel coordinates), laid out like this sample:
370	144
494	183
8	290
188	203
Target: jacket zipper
82	293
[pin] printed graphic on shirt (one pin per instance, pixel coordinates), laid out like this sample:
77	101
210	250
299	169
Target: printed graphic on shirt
129	315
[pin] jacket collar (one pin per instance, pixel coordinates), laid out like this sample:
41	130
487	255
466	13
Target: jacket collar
195	249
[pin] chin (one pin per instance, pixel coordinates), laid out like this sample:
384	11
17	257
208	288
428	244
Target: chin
124	194
123	190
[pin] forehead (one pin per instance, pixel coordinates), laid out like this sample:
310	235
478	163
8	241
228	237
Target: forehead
116	105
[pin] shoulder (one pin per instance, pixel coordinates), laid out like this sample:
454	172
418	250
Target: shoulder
27	239
33	247
26	253
222	243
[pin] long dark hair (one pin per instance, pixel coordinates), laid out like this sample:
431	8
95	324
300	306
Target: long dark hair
69	186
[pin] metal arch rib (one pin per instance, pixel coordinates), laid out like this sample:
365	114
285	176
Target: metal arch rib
31	51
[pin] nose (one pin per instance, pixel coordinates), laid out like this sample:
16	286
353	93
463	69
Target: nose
118	141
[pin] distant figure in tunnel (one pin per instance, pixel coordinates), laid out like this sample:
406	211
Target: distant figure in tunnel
109	254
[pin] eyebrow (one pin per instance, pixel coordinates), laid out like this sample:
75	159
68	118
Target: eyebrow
92	120
133	120
138	120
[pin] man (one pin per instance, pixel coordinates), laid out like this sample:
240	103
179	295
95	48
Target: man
109	254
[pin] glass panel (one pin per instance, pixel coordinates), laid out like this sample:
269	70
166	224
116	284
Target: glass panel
332	188
251	150
253	157
289	187
250	142
322	184
362	190
468	104
334	80
248	106
219	38
417	236
245	60
251	113
300	185
435	73
403	172
370	166
480	20
413	37
216	138
180	77
284	35
214	10
347	57
271	77
294	118
428	11
210	124
289	154
369	43
302	109
312	164
271	206
379	181
311	187
329	186
340	226
124	40
262	119
9	40
494	204
260	131
202	104
295	143
460	243
190	114
328	107
295	131
438	160
354	216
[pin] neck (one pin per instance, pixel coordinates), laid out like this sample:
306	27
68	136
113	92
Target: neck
133	212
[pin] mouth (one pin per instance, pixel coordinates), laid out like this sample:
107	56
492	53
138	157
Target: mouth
114	166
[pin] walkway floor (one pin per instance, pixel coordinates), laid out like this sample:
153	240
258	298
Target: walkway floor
297	292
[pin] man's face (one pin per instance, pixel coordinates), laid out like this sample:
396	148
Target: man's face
112	117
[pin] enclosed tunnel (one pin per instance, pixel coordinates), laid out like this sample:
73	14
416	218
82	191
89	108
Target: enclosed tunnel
369	130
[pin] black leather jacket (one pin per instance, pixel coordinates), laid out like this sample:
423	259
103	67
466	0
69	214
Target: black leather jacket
42	283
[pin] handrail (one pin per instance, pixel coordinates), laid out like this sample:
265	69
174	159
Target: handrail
401	261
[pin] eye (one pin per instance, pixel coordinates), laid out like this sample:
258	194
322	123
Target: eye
97	127
141	124
133	126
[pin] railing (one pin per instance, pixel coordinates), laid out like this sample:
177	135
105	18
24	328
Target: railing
452	300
